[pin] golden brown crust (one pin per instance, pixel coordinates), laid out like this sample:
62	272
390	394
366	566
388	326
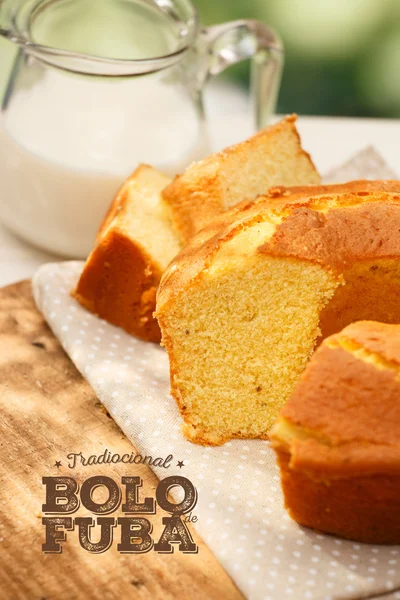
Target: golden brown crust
306	232
197	196
349	406
361	187
119	284
120	279
378	338
364	509
341	235
340	470
371	291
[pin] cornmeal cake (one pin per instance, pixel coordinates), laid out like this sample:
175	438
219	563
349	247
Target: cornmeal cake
338	437
273	156
244	304
134	246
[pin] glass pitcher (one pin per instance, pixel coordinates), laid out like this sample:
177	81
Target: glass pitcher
75	122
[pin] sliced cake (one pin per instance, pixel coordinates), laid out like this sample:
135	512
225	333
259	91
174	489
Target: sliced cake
338	437
273	156
134	246
244	304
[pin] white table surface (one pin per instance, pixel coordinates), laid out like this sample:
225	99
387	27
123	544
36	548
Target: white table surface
329	140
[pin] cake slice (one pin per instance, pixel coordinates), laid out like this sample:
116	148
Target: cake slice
273	156
134	246
140	234
244	304
338	437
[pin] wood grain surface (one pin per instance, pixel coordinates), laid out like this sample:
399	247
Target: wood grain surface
47	411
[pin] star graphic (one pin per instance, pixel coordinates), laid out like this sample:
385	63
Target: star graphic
180	464
57	464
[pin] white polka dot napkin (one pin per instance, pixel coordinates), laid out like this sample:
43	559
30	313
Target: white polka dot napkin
240	506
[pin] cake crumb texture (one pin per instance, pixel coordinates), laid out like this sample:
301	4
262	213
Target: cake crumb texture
249	298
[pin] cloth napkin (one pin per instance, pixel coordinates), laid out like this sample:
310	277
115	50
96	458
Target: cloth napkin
240	509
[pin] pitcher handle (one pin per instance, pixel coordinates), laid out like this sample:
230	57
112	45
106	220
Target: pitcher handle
227	44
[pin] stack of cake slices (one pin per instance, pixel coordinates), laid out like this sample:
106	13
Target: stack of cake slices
246	267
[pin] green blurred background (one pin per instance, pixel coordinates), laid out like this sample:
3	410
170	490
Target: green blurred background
342	56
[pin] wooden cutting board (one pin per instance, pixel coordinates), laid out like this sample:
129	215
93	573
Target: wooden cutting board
48	410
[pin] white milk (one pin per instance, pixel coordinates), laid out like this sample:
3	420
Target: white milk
68	142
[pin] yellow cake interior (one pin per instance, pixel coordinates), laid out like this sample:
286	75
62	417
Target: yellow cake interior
283	164
252	323
145	216
239	304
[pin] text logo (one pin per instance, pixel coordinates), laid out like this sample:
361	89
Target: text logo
64	497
